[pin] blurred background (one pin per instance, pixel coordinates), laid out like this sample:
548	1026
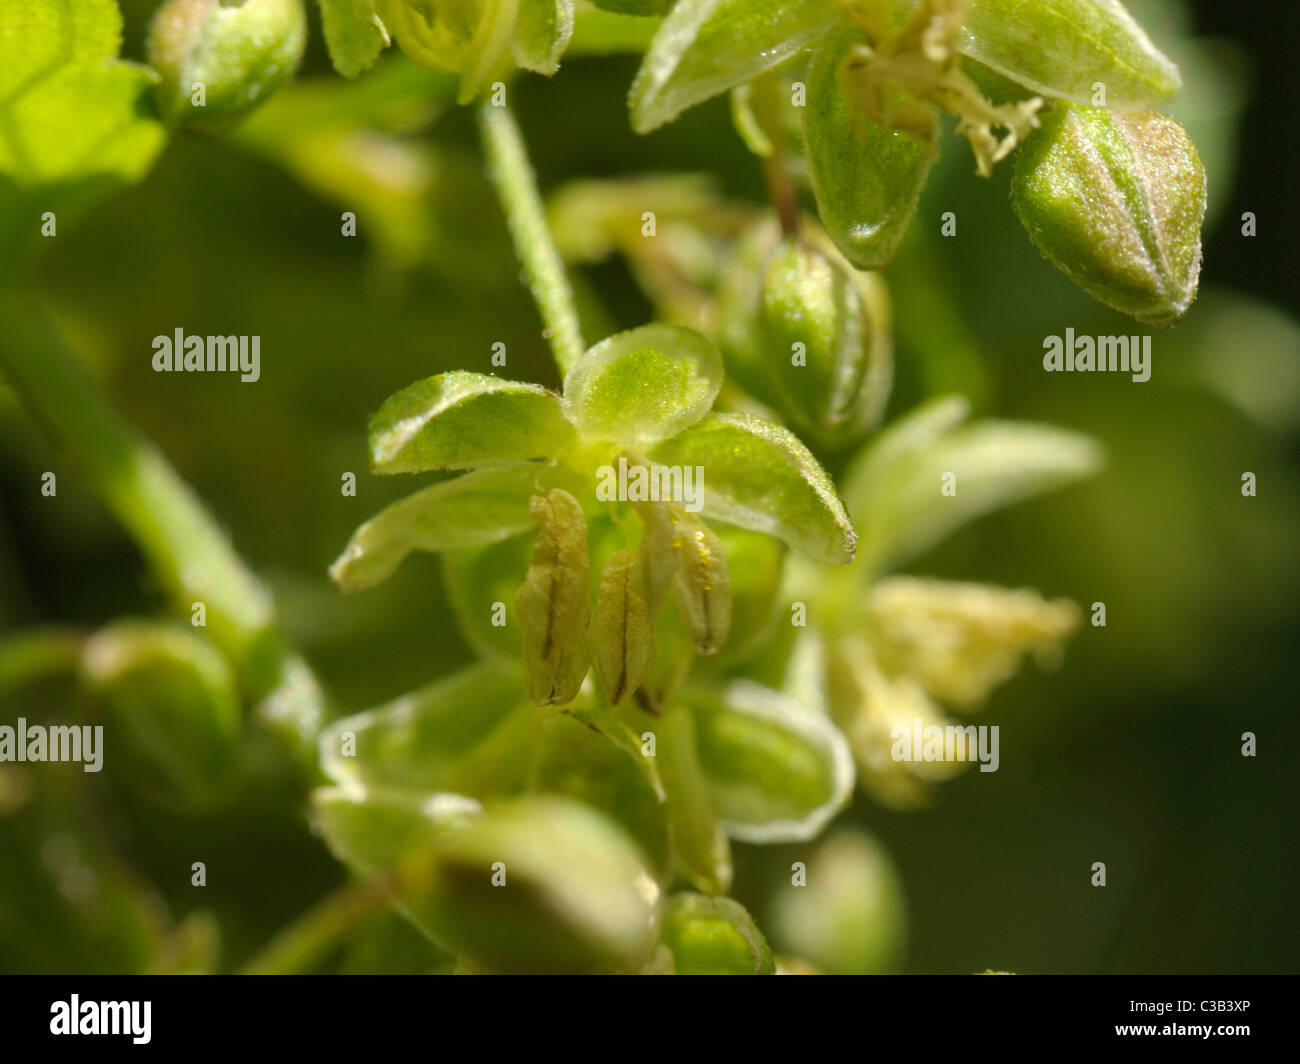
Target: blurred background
1128	754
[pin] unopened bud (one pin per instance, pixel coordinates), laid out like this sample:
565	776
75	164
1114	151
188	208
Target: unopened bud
218	59
1116	200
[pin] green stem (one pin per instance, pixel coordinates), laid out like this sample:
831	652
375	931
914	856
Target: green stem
192	557
516	186
302	945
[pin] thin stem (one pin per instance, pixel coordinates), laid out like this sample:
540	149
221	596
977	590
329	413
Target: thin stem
516	185
781	190
191	555
302	945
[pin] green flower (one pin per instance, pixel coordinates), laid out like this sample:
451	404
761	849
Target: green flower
881	651
631	453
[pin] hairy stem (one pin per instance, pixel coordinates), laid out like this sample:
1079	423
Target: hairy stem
516	186
192	557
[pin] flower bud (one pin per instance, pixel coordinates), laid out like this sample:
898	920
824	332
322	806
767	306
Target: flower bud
807	334
542	884
714	936
826	331
1116	200
554	603
218	59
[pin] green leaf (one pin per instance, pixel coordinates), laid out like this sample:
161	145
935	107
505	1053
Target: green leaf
706	47
776	771
542	34
469	511
419	741
896	485
573	893
867	179
171	700
713	936
354	34
1116	202
701	851
238	54
1064	48
462	420
643	385
759	476
75	123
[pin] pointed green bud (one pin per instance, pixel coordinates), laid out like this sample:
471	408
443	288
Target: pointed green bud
623	636
1116	201
217	60
827	341
554	603
702	584
714	936
543	884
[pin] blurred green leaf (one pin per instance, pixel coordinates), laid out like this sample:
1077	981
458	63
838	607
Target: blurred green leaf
75	123
354	34
542	34
896	485
714	936
706	47
571	893
171	698
417	742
